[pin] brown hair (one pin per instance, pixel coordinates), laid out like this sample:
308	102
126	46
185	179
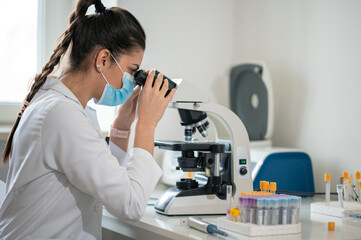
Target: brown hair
115	29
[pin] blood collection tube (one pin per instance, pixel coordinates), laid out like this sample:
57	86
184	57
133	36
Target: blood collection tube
275	211
344	183
234	214
327	187
246	209
284	210
339	194
357	181
240	207
348	190
260	210
293	211
252	209
229	199
299	199
267	212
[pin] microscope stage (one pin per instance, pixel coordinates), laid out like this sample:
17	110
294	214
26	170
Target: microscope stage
190	146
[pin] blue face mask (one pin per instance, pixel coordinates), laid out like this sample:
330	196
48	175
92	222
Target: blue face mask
112	96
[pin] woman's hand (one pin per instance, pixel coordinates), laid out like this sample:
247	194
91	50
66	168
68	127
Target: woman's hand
151	106
126	112
152	100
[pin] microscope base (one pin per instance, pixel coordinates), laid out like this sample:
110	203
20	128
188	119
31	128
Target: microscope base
194	205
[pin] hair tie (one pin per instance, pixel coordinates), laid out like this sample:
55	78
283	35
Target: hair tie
99	7
25	104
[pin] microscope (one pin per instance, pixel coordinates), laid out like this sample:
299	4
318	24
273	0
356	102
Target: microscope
218	164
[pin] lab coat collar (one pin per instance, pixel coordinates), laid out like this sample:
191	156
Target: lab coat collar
55	84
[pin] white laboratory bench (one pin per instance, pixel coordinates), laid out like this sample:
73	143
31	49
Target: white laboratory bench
157	226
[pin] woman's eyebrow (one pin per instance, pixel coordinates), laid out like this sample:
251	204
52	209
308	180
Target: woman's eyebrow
136	66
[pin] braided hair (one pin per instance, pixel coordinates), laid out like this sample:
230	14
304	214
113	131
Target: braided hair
115	29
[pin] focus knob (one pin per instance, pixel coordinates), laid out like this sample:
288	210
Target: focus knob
243	171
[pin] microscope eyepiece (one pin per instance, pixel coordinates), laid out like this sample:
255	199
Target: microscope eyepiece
140	76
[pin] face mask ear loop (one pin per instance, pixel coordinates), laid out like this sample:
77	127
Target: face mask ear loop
101	72
117	63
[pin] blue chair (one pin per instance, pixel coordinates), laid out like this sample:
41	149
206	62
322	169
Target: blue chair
292	171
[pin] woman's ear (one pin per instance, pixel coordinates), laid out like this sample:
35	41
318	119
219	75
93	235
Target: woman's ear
102	60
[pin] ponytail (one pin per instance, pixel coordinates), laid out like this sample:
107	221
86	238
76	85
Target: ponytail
60	50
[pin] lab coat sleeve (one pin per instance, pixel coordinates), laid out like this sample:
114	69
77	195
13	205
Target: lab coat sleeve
122	156
72	146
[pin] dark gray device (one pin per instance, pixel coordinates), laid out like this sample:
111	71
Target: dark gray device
249	99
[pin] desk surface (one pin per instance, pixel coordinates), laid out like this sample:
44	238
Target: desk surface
157	226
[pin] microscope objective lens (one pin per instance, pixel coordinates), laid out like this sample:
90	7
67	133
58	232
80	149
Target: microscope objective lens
188	132
202	130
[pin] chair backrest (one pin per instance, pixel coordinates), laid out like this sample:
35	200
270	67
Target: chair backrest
292	171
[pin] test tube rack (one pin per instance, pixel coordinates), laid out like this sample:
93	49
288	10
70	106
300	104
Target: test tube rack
253	230
333	208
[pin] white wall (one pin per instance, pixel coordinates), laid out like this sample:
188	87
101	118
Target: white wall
53	21
313	51
187	39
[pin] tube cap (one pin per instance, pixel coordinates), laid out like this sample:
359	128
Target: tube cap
234	212
327	177
357	175
345	174
266	186
331	226
359	185
273	186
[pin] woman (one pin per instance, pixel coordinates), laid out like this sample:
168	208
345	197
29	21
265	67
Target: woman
61	171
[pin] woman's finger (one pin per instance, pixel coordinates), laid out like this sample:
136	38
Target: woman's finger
149	80
136	91
170	95
165	87
158	81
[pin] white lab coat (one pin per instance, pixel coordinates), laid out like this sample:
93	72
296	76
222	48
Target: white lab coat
62	171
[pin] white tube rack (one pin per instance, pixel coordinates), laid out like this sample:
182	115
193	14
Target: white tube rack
333	208
250	229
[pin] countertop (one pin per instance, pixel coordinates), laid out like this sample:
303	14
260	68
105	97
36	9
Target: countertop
157	226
